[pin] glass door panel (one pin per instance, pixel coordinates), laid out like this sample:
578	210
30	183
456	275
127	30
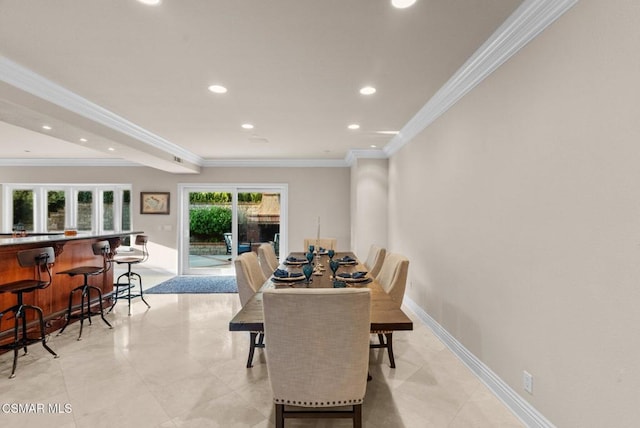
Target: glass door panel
258	219
210	232
218	222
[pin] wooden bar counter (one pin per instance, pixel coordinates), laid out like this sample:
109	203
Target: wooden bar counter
70	251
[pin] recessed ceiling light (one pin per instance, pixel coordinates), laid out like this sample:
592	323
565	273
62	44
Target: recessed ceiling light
354	126
247	126
111	149
388	132
368	90
401	4
150	2
84	140
218	89
373	146
47	127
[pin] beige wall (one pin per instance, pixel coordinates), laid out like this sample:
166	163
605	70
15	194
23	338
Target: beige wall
520	211
369	196
313	192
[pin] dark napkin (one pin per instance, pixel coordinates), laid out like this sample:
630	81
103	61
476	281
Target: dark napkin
281	273
355	275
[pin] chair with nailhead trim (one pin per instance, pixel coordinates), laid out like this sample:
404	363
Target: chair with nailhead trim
374	260
318	353
250	278
268	259
393	279
324	243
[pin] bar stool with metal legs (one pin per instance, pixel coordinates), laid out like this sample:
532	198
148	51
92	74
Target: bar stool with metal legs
41	259
123	290
100	248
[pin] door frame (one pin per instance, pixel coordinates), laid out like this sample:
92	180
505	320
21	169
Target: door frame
234	188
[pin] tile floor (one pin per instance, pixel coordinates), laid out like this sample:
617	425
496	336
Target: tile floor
177	365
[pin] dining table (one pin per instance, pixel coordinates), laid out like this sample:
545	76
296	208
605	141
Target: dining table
386	315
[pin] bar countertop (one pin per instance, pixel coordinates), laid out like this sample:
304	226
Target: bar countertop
8	239
70	251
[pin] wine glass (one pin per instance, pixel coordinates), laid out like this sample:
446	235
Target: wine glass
311	248
307	270
331	253
334	265
309	256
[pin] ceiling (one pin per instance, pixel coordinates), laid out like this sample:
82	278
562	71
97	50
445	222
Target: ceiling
134	78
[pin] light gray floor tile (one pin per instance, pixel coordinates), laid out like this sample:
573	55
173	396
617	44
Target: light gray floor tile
177	365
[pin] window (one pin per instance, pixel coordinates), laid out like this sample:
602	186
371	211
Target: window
95	208
56	200
85	211
107	210
22	218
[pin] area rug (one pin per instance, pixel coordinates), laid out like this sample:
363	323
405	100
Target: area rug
194	284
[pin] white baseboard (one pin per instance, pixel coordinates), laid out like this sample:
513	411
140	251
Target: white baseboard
520	407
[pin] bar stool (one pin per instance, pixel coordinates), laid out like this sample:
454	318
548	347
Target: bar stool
42	259
100	248
123	289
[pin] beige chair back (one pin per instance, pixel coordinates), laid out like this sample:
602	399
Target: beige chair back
326	243
268	259
318	345
393	276
374	261
249	276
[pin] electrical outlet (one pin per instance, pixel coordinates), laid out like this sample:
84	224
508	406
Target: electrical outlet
527	381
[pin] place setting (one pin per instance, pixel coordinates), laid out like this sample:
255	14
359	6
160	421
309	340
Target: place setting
295	261
284	277
347	260
353	279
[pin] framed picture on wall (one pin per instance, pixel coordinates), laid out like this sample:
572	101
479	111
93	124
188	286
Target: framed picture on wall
154	202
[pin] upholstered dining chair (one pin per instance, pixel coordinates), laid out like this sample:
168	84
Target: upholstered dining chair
393	279
374	260
326	243
318	353
250	278
268	259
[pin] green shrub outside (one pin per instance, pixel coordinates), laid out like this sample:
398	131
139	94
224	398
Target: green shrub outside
207	224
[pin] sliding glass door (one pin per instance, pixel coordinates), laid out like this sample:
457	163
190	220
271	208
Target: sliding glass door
218	222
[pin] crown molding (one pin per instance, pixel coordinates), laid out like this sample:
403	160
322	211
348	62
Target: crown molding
355	154
276	163
68	162
524	24
34	84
